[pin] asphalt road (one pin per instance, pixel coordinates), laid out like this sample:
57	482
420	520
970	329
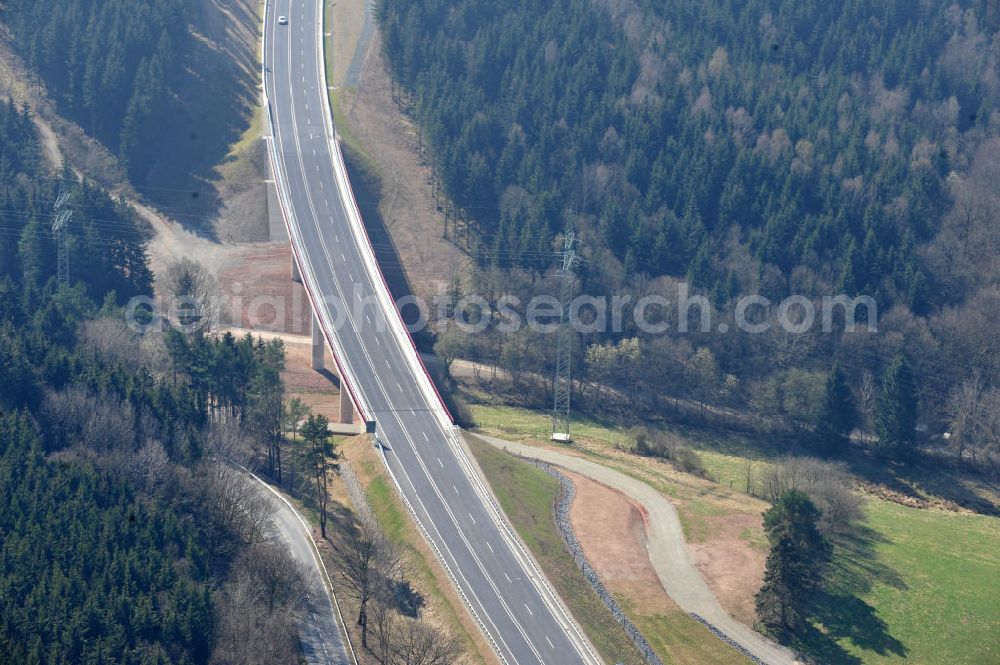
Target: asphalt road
321	631
520	616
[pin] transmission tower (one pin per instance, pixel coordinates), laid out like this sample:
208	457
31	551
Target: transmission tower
62	240
564	359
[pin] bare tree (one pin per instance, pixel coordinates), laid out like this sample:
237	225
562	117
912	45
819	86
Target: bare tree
100	424
192	292
111	338
383	620
369	562
249	634
828	485
867	396
974	417
235	508
151	467
418	643
281	580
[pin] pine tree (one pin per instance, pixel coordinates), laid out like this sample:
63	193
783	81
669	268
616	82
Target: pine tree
837	416
318	453
896	420
794	564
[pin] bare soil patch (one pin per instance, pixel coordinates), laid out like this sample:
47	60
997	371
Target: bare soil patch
732	567
256	284
611	530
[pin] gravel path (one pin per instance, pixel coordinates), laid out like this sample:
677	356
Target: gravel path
667	551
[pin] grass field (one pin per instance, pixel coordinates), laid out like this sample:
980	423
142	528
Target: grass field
526	494
604	442
915	585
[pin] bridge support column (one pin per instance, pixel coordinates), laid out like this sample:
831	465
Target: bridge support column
346	405
318	343
318	364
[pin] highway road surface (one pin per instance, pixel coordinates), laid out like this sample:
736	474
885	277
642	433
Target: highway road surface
518	612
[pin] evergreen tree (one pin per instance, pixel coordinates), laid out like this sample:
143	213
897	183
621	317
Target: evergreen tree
837	415
795	563
318	453
896	420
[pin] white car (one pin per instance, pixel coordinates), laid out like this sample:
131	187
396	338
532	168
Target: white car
282	20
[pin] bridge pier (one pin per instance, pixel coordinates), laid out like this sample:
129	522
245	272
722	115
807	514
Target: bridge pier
318	344
319	364
346	405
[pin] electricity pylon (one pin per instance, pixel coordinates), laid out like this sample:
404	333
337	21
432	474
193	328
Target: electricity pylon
62	240
564	359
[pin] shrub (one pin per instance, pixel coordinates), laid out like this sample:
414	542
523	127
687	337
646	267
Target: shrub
669	447
828	485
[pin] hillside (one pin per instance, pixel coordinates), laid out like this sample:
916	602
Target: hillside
771	147
123	538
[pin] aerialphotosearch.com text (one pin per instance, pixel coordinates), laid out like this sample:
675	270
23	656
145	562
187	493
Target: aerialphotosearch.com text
651	314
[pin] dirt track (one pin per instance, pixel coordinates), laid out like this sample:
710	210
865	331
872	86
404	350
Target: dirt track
667	550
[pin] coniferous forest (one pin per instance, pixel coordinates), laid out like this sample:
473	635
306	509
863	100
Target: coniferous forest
124	537
109	65
771	147
797	135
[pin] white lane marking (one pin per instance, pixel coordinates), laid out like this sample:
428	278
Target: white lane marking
508	578
501	598
440	463
529	609
551	646
350	275
387	363
342	257
455	488
489	546
472	518
378	342
425	437
400	386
